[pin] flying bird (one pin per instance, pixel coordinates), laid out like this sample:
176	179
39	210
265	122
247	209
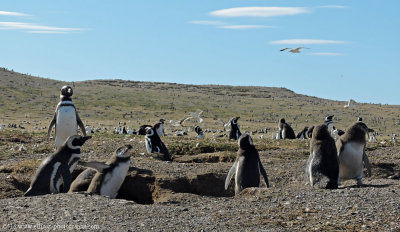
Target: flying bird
297	50
284	49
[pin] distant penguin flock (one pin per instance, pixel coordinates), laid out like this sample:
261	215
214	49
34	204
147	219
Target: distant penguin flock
334	156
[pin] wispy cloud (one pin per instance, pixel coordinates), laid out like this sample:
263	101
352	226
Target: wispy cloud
333	6
259	11
35	28
325	54
244	27
306	41
10	13
206	22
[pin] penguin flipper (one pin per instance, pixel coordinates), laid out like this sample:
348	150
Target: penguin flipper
80	123
52	123
367	164
306	174
264	174
31	193
66	176
98	166
230	174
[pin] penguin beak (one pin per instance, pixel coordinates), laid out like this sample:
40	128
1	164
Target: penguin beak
84	139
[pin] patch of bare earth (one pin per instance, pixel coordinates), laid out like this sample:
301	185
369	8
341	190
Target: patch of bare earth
188	195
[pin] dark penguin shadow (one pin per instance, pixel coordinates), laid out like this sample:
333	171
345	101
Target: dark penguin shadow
140	171
366	186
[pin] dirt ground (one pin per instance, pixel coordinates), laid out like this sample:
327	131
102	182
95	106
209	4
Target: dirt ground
188	195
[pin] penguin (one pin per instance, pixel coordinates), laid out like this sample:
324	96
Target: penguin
110	175
310	131
142	129
285	130
303	133
199	131
247	166
82	181
57	168
235	129
359	119
65	119
323	163
154	144
351	151
329	123
159	127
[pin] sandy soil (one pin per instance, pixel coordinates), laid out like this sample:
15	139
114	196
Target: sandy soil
187	195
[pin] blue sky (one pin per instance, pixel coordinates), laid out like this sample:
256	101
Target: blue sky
351	46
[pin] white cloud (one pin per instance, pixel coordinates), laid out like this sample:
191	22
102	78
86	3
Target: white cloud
34	27
10	13
243	27
306	41
207	22
259	11
325	54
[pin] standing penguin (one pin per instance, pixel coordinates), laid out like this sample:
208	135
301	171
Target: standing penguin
351	152
247	166
199	131
323	163
235	129
303	133
66	118
57	168
329	123
159	127
154	143
285	130
110	175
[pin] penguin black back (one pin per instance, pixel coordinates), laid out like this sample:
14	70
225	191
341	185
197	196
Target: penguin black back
285	130
247	166
154	143
235	129
56	166
323	163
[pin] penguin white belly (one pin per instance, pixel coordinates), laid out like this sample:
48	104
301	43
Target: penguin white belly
160	131
55	187
66	124
238	188
200	136
72	166
113	180
351	162
148	146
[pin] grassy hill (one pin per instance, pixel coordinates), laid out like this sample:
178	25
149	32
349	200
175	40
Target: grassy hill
31	101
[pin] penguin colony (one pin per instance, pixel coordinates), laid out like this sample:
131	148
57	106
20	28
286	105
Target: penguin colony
328	164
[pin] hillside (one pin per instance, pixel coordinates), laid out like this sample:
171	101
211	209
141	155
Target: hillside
32	99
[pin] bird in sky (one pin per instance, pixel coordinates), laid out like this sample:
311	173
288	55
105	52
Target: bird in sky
297	50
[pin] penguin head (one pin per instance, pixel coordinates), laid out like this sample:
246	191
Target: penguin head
198	129
149	131
329	118
121	151
359	119
162	121
321	132
357	131
282	120
66	91
234	120
76	141
245	141
310	131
